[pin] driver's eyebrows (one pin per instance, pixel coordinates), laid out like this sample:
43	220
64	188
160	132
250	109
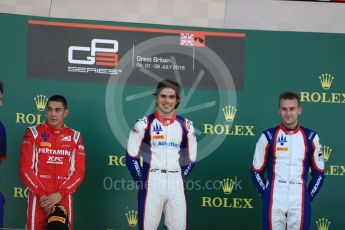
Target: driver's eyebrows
165	96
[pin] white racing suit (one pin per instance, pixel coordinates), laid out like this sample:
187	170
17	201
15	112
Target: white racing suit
168	148
286	156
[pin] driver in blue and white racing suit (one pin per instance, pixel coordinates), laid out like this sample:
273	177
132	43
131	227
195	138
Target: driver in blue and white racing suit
286	153
167	143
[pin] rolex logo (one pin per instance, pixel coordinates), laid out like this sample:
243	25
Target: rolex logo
41	102
326	152
229	113
326	80
323	224
227	185
132	218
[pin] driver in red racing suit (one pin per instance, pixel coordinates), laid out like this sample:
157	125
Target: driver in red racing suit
52	164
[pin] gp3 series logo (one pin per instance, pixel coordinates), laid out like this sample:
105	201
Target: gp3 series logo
100	54
100	58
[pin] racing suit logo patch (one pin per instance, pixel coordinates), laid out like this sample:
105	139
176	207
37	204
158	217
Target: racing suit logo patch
66	138
282	139
165	144
157	128
158	137
45	144
55	160
45	136
282	149
135	130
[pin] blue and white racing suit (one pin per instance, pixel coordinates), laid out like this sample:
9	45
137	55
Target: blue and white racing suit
168	148
286	156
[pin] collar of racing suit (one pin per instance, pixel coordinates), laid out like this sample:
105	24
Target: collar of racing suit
165	121
290	131
53	130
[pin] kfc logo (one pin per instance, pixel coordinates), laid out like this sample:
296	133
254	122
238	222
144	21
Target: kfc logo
55	160
103	52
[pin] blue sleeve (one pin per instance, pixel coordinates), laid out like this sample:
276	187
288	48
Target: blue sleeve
188	148
187	169
133	165
317	166
315	183
3	145
259	181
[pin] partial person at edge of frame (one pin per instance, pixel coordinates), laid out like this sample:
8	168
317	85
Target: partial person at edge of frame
3	155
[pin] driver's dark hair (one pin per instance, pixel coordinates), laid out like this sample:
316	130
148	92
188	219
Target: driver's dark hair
59	98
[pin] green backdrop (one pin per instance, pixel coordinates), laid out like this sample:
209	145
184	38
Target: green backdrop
267	64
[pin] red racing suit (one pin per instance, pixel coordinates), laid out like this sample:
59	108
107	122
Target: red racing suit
50	161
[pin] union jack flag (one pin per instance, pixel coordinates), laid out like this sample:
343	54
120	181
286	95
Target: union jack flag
187	39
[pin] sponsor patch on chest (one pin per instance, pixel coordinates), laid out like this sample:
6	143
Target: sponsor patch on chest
45	144
157	128
55	160
282	140
158	137
165	144
66	138
282	149
281	144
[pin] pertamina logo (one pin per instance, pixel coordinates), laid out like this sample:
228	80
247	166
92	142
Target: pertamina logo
226	129
323	224
32	118
326	81
228	186
331	170
132	218
101	57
